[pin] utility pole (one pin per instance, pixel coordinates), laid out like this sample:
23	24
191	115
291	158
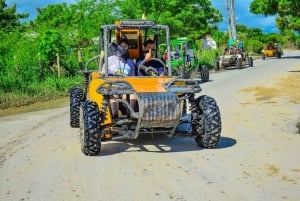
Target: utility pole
231	19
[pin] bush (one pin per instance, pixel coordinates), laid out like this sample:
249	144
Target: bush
51	88
208	57
254	46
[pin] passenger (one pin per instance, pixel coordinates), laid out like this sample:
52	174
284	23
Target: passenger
121	64
149	51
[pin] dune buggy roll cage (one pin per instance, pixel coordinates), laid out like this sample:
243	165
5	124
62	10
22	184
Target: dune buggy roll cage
106	34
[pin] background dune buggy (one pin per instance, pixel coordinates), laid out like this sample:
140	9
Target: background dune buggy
233	57
184	60
160	100
272	50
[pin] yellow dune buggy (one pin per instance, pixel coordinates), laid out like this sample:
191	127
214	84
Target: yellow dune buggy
161	99
272	50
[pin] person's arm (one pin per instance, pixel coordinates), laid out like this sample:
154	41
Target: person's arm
146	58
132	65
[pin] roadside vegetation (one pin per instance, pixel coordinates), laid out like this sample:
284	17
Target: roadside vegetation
40	59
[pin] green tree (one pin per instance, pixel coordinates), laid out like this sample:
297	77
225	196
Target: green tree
50	47
9	19
189	18
288	12
245	32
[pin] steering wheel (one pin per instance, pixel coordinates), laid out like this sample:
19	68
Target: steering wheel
150	70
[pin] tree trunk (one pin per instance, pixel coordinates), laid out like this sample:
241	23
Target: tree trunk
80	59
58	65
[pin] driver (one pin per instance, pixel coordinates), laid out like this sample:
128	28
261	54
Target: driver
149	51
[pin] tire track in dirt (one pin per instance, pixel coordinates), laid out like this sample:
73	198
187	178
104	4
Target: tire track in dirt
16	143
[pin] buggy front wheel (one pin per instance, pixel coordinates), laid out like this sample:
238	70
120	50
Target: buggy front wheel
239	63
250	61
206	122
90	131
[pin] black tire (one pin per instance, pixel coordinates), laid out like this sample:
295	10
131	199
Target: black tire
238	63
204	72
183	73
250	61
206	122
217	66
90	130
278	55
76	98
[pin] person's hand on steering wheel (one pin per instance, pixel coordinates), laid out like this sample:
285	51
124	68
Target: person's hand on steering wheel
150	70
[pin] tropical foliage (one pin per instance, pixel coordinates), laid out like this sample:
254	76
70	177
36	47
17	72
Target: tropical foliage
39	58
287	11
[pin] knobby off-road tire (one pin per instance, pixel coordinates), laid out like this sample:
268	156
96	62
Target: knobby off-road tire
206	122
90	130
76	98
204	73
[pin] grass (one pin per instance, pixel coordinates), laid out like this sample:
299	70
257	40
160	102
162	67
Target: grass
29	93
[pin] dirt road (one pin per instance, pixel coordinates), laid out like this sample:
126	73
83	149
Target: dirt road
257	157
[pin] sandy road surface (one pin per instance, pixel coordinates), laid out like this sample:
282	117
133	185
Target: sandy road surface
257	157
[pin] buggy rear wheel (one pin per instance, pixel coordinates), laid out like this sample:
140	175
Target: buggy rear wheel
206	122
76	97
204	72
90	131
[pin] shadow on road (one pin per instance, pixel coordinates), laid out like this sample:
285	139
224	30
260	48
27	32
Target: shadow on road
159	144
291	57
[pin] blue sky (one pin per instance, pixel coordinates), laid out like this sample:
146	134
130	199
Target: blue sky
243	16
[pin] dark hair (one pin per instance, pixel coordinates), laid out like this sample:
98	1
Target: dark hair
122	39
149	41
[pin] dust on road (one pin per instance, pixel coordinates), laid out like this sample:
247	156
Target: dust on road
285	88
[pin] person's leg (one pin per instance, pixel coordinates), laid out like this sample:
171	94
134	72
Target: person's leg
114	105
133	101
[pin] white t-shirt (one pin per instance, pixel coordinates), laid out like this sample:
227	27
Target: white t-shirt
117	66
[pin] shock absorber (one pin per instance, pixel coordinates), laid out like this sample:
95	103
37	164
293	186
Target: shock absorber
105	105
193	106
